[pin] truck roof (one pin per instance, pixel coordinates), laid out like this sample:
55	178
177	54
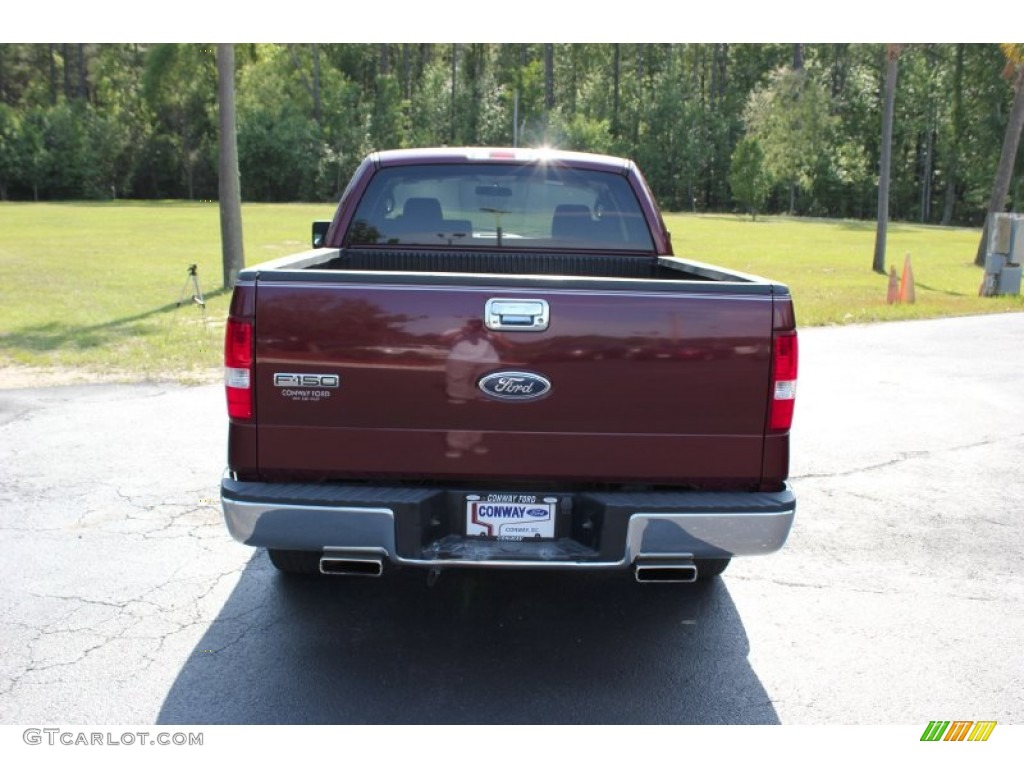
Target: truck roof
456	155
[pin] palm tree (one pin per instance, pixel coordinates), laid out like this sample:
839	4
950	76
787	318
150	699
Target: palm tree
229	184
1014	71
892	58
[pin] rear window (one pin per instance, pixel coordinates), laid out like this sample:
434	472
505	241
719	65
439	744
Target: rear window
535	206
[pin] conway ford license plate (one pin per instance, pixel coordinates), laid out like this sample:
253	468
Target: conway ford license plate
511	516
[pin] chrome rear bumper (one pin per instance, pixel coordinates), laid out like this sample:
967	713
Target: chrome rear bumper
633	526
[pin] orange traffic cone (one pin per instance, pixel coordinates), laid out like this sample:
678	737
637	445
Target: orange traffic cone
894	286
907	283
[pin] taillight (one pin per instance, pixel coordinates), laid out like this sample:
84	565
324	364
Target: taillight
784	369
238	368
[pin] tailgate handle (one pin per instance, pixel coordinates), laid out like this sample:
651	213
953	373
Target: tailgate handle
516	314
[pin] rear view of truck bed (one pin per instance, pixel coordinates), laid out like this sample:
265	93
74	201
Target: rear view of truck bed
531	391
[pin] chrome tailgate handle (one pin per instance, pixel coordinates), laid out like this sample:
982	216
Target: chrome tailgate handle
516	314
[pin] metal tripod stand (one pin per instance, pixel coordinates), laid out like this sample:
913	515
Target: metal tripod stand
197	292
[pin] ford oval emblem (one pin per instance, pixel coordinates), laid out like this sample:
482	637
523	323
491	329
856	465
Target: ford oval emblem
514	385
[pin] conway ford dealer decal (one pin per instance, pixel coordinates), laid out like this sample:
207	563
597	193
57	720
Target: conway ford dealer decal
514	386
306	387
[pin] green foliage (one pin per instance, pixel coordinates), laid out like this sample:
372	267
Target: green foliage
275	151
69	150
533	118
386	120
138	120
344	134
580	133
67	158
10	158
430	107
748	177
276	139
791	121
179	85
482	112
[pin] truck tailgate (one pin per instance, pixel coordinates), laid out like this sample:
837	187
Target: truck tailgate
358	380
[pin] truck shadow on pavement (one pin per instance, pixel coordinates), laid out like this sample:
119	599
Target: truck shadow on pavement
476	648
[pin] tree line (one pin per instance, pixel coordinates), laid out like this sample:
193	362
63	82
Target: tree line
791	128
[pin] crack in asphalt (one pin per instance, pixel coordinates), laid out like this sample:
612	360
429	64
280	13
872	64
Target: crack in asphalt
198	619
79	632
906	456
161	516
180	615
863	590
16	417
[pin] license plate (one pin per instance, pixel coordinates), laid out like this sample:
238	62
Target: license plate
511	517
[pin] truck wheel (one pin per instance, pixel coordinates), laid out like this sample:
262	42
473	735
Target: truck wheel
295	561
709	568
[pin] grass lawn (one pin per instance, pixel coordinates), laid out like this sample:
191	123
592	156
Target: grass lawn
94	286
827	264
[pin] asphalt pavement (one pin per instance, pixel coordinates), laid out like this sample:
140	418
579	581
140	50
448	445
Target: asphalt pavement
898	598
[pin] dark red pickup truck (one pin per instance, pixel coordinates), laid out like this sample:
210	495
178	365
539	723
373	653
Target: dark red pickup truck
493	359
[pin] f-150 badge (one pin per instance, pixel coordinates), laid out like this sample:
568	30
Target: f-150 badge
514	385
314	380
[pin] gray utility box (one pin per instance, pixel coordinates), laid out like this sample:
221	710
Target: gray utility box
995	263
1016	254
1000	234
1009	281
1004	255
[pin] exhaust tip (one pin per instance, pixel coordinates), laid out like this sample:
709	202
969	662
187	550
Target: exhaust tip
685	573
351	566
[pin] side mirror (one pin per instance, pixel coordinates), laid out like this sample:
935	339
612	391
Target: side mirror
320	233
